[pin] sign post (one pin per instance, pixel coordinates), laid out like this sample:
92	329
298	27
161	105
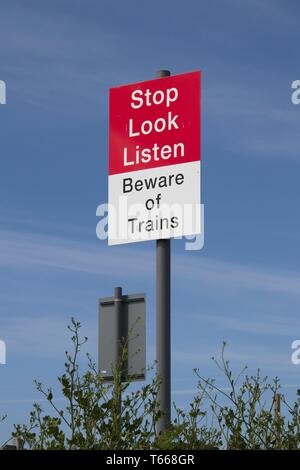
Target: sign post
122	336
154	185
117	394
122	351
163	322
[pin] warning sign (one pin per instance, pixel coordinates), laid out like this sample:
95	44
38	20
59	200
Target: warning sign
154	159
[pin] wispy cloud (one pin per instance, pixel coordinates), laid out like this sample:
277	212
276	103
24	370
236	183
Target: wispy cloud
55	61
252	355
21	250
197	358
260	324
41	336
239	276
25	250
267	122
31	400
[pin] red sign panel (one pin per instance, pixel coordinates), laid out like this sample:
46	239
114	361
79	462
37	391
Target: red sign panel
154	123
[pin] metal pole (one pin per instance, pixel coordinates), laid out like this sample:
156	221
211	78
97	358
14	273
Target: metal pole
118	310
118	366
277	416
163	321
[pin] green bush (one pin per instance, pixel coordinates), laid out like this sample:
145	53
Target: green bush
244	415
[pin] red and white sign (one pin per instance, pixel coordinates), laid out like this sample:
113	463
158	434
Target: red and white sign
154	159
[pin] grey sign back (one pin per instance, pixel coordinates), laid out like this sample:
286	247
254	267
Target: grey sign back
129	322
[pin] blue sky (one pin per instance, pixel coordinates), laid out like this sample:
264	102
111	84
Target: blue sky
58	60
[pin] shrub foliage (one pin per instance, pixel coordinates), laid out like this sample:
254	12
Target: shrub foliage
245	414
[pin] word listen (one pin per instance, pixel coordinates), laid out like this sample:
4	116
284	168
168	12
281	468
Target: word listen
168	122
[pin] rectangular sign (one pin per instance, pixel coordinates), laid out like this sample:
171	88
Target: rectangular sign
133	328
154	159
